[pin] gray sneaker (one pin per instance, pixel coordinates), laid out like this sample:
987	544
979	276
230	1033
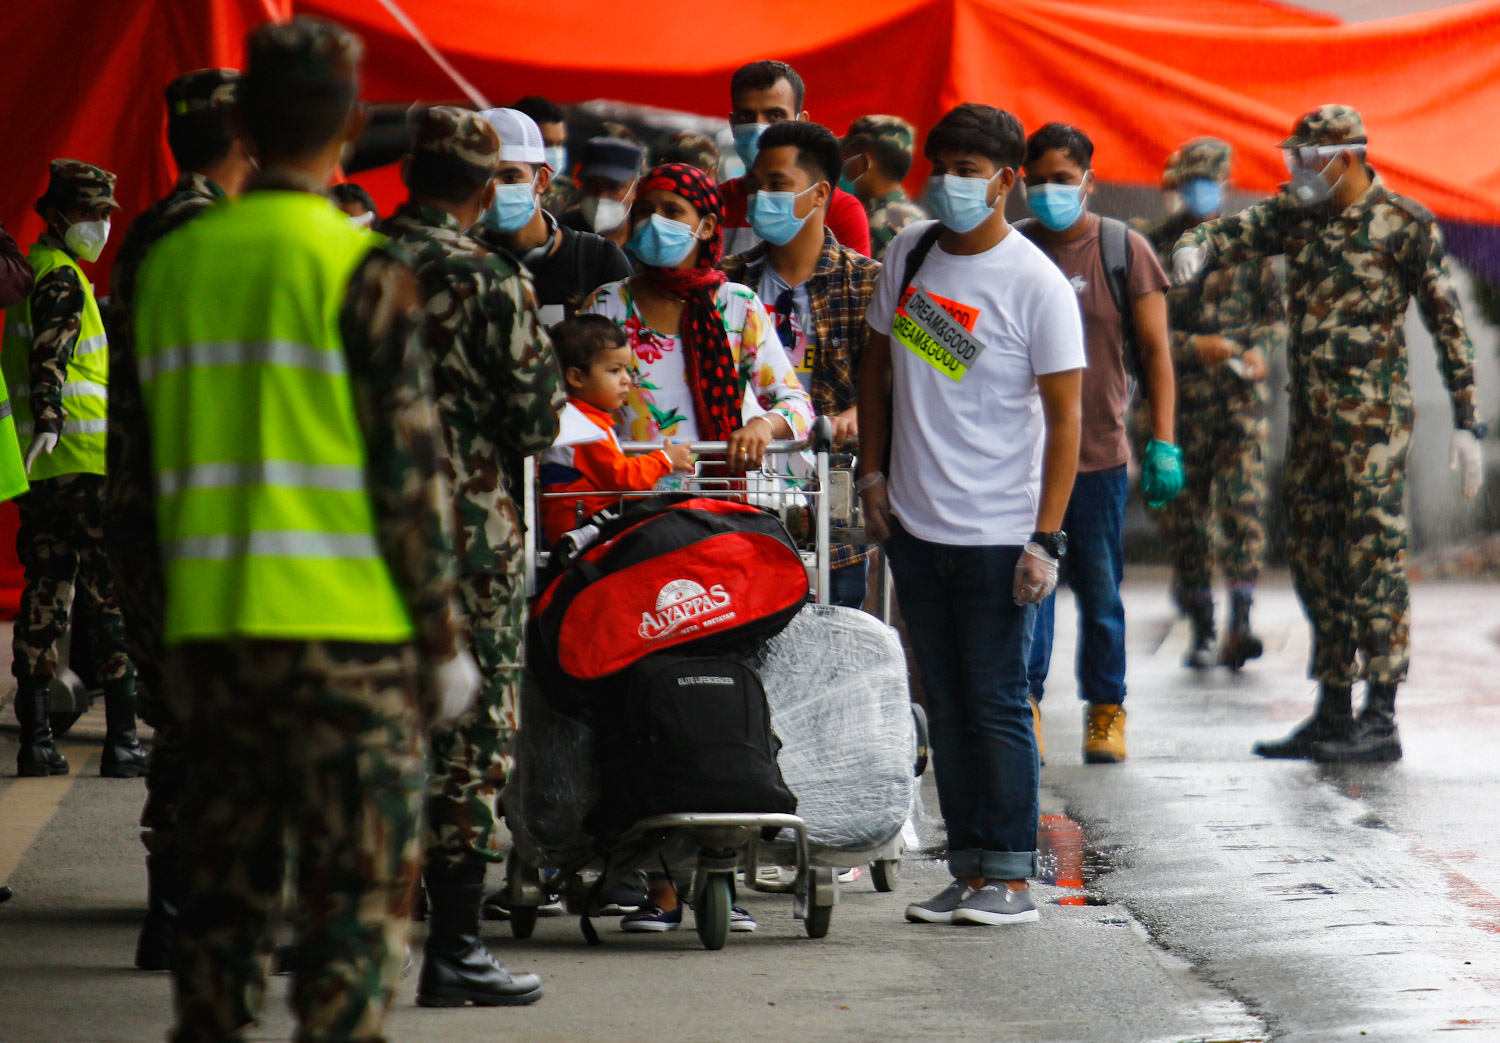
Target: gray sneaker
995	904
939	908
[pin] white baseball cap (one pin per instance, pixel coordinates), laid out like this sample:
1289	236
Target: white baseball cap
520	137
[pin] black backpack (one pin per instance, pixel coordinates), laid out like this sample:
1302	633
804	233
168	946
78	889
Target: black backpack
687	734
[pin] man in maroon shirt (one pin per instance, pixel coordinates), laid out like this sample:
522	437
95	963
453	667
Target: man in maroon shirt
760	94
16	275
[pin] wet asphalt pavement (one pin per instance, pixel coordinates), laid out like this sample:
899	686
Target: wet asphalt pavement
1336	902
1208	896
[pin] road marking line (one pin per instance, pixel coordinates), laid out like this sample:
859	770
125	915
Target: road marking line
27	805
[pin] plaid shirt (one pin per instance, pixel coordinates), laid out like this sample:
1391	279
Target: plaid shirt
839	290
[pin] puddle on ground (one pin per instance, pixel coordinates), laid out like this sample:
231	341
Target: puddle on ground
1069	862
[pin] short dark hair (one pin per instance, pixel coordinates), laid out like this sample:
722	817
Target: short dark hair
349	192
445	178
983	129
818	149
540	109
889	158
763	75
1074	143
583	338
200	139
291	118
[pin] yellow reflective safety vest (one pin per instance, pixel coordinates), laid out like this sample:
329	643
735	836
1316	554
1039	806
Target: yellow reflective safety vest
266	526
85	390
12	471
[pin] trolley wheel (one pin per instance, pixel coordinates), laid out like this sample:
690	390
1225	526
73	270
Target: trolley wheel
919	717
711	911
822	893
883	873
522	921
62	720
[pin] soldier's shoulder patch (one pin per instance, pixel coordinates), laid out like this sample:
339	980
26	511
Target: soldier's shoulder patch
1410	206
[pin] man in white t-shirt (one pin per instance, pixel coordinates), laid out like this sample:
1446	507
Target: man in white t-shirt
972	376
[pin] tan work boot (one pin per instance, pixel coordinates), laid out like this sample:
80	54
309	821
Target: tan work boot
1036	726
1103	733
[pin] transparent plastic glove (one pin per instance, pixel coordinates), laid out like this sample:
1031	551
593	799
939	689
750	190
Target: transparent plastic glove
1036	575
456	686
1465	457
1161	473
41	445
876	503
1187	262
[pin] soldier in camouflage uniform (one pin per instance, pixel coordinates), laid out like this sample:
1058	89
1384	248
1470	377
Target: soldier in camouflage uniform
499	391
877	155
212	163
52	344
1356	253
1223	331
305	751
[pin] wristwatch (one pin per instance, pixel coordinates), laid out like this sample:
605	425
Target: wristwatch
1054	543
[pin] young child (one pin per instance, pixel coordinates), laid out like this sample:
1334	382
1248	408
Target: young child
587	458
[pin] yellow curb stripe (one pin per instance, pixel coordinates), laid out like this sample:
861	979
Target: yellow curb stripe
27	805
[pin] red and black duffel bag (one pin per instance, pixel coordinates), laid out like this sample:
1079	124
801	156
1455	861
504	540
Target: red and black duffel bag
672	571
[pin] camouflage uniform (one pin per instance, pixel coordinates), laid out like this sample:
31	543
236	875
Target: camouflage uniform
318	745
61	539
499	391
1350	276
131	531
561	195
694	149
892	211
1222	424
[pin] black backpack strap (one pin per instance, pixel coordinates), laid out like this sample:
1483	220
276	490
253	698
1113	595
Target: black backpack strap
918	254
1114	249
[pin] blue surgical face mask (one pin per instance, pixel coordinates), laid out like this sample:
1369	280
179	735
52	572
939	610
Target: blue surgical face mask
557	158
1201	196
773	215
960	203
1057	207
513	207
660	242
848	184
747	141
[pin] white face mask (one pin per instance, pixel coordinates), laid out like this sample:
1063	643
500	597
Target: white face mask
364	220
603	213
87	238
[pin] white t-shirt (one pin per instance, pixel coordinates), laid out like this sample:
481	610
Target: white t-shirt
967	439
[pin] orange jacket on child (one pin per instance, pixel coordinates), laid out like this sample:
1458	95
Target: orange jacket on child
587	458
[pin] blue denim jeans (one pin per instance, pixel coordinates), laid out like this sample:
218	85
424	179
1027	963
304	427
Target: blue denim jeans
846	586
970	639
1093	567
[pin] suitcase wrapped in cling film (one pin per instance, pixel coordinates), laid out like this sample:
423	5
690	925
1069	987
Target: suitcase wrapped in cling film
836	682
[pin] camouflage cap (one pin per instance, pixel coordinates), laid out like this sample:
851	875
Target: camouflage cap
203	90
1328	125
692	148
303	51
72	182
455	133
1201	157
892	130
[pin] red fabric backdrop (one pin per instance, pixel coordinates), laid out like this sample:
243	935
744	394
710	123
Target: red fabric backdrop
1140	75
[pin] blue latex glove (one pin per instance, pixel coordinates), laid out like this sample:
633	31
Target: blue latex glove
1161	473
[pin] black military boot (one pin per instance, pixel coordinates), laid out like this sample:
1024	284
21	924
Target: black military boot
1240	643
1373	738
153	947
1199	608
124	756
38	756
1333	720
456	967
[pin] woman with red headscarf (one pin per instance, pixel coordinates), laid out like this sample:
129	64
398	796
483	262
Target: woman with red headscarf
705	353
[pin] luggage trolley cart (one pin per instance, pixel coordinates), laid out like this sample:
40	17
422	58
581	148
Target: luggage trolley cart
717	844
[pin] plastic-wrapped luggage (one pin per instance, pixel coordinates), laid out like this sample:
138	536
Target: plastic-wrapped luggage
836	682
